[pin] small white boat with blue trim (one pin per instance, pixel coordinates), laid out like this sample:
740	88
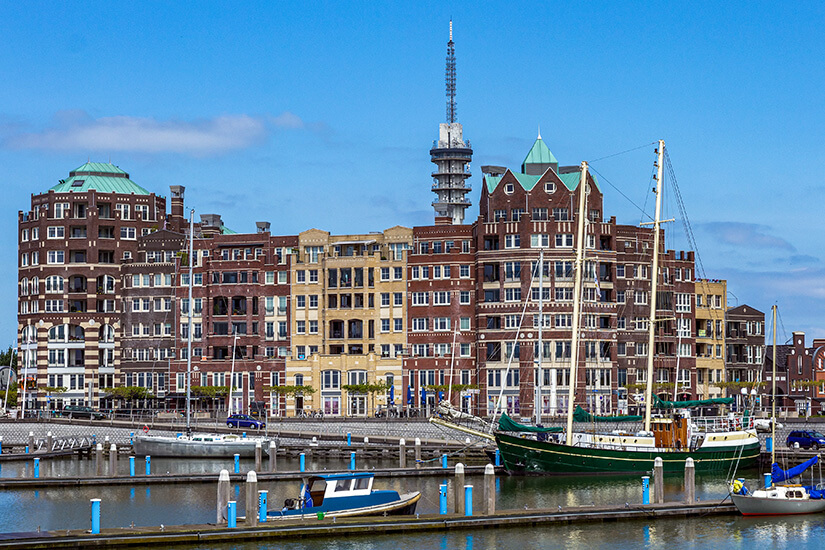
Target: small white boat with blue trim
345	495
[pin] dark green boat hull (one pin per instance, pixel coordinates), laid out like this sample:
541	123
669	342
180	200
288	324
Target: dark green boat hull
529	456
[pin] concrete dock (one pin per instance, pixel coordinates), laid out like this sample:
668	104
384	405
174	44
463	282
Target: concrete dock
311	527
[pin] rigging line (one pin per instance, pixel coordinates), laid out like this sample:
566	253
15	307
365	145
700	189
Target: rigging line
622	152
620	192
683	211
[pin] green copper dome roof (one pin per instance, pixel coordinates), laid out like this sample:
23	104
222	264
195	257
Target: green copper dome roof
540	154
100	176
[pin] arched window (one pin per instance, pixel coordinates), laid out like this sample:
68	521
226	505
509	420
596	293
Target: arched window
24	286
76	333
54	283
106	335
57	333
34	286
105	284
29	334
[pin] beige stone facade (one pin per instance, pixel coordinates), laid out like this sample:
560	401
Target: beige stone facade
711	304
349	298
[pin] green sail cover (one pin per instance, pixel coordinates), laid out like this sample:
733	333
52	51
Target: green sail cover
660	404
507	424
581	415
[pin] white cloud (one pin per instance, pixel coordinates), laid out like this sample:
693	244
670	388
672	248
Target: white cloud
76	131
748	235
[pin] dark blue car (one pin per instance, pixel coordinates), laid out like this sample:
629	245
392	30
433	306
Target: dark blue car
245	421
807	439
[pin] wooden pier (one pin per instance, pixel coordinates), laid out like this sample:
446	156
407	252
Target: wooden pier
311	527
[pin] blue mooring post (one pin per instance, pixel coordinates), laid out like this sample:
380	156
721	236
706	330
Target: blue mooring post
262	505
148	465
769	444
468	500
303	462
498	457
94	439
36	468
1	444
27	449
131	438
244	435
95	516
349	439
645	489
444	461
768	480
237	463
132	466
232	520
352	460
442	499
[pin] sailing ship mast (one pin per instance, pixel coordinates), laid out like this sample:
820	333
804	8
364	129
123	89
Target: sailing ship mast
189	328
577	288
651	328
773	392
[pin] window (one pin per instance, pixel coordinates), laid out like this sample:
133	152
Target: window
539	241
464	323
682	302
55	256
385	274
55	232
564	240
398	298
464	297
512	294
509	188
420	298
564	294
512	241
127	233
330	380
640	296
464	271
539	214
398	273
620	296
441	323
550	187
385	325
561	214
500	215
441	298
398	325
620	271
419	324
517	213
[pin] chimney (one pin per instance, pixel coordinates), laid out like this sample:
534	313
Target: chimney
211	225
177	200
263	227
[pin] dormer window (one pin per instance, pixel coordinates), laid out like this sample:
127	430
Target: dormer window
549	187
509	188
78	183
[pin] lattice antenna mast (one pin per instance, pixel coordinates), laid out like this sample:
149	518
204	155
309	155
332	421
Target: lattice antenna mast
450	78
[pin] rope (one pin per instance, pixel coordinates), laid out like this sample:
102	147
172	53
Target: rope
603	178
683	214
622	152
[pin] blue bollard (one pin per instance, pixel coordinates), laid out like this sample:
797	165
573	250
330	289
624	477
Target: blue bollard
27	449
352	460
237	463
243	435
349	439
442	499
768	480
498	457
148	465
645	489
1	444
262	506
36	468
444	461
94	439
232	520
132	466
131	438
468	500
303	462
769	444
95	516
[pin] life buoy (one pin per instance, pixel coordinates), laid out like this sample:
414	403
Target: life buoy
145	429
738	424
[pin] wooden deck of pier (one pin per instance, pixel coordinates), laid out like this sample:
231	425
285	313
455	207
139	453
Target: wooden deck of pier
311	527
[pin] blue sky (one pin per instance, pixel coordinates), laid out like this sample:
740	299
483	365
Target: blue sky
321	114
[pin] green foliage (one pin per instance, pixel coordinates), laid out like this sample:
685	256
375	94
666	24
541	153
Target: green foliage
366	388
209	391
49	390
290	391
129	393
12	394
9	357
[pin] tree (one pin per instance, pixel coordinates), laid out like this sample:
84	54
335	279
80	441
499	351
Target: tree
129	393
366	389
9	358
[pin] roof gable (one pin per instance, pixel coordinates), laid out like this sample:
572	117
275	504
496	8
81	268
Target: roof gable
539	154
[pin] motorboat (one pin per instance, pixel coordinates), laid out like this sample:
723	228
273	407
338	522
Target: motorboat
198	445
345	495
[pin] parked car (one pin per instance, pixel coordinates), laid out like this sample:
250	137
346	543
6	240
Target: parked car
245	421
807	439
79	411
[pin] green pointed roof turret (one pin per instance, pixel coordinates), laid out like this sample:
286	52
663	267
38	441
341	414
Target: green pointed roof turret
539	159
101	176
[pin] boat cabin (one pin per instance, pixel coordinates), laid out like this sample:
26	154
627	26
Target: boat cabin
671	432
319	489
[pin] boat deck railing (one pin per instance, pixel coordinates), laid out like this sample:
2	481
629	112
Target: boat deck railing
722	423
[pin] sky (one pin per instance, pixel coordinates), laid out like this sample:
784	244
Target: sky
322	114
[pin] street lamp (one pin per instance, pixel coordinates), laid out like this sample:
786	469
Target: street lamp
232	370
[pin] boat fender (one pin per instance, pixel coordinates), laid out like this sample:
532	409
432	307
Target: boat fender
145	429
739	487
289	503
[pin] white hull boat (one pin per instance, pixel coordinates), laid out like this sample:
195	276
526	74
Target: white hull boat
198	445
780	500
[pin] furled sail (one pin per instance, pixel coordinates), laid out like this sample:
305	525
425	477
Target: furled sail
778	474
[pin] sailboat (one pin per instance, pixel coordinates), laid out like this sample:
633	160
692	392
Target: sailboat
193	444
779	500
713	443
